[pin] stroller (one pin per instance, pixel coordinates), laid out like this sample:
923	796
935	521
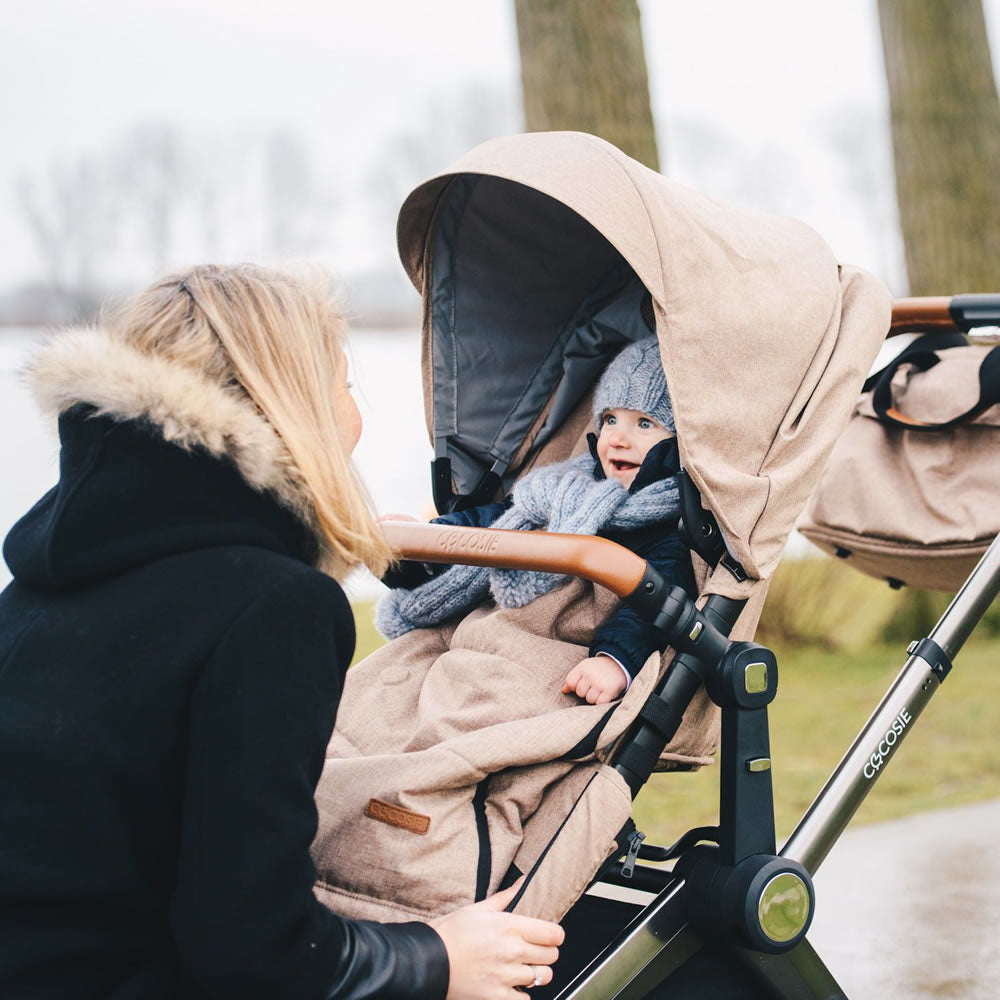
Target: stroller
521	252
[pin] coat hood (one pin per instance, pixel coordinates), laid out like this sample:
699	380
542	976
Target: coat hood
155	459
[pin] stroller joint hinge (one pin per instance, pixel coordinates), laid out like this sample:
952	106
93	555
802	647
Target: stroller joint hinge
931	653
739	573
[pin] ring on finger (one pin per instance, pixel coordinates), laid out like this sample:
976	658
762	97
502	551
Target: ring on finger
536	973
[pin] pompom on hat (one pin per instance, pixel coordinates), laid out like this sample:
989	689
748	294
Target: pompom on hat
635	381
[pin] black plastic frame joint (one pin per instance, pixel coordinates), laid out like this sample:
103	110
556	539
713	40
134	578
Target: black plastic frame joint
734	567
968	311
933	654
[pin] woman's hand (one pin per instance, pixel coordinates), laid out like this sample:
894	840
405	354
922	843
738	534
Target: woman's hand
598	680
490	952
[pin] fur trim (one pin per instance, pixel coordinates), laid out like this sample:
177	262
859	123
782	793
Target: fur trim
90	366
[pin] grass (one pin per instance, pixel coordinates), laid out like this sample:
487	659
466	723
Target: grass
368	639
951	757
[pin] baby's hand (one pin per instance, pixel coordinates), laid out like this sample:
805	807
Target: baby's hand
598	679
396	517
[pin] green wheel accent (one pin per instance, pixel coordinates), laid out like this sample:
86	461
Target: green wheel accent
783	908
755	678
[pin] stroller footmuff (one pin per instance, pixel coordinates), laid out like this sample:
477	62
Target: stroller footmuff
457	764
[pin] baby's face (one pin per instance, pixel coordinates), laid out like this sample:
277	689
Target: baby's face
625	439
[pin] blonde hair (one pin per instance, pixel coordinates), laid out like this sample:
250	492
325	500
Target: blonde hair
275	340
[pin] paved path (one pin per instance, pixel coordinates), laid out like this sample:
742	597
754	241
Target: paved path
910	909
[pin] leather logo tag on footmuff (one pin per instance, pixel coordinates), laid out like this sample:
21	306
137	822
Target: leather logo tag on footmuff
405	819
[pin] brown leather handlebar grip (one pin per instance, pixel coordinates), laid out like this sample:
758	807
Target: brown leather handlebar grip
596	559
929	314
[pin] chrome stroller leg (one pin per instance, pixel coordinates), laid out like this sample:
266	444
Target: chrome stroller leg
798	974
921	676
653	946
649	959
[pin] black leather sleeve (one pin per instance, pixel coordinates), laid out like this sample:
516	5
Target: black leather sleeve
391	962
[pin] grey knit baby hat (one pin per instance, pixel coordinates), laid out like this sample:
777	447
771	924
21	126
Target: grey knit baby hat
635	381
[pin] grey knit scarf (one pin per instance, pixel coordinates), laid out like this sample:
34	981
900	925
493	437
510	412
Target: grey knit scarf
563	498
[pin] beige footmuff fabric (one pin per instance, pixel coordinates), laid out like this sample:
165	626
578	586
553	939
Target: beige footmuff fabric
456	762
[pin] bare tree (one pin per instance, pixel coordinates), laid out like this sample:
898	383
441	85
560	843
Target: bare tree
946	142
295	203
452	123
46	228
583	68
208	195
149	171
72	218
158	193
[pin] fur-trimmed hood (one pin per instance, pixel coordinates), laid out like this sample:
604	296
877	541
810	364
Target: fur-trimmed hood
90	366
156	459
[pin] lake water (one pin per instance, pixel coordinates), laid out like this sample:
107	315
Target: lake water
393	456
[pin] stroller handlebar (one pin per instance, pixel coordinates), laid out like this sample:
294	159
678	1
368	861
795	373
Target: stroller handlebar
596	559
943	313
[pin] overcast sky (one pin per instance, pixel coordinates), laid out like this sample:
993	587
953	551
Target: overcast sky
756	102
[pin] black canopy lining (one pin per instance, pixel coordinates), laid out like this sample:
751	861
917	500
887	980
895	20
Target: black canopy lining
528	302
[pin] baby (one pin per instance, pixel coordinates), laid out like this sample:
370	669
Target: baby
626	490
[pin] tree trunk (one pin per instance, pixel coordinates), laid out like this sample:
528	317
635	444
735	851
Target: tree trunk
583	68
946	143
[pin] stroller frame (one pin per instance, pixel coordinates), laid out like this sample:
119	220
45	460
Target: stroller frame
659	939
728	904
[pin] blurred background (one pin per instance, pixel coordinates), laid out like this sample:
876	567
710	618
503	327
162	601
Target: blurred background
143	135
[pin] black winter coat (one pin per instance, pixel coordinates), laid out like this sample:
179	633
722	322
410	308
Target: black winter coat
627	636
170	668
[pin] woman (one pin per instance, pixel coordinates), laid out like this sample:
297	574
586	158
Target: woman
172	650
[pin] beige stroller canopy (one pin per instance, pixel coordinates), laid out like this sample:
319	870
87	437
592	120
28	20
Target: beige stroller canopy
527	253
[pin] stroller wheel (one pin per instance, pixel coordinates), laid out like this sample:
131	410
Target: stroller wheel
784	908
767	902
